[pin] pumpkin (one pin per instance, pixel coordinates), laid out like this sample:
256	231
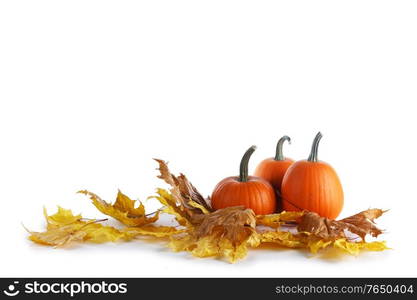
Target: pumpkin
273	169
249	191
312	185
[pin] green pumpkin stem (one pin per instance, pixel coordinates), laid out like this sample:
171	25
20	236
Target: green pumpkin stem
243	171
278	153
315	147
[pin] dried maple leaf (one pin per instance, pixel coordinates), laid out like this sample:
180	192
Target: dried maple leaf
226	233
58	237
315	233
64	228
360	224
363	223
182	191
233	223
122	210
314	244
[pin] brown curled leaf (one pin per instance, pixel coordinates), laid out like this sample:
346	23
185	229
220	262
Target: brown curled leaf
227	232
360	224
233	223
363	222
182	190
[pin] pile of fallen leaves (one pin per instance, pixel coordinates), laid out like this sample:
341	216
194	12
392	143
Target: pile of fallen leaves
227	232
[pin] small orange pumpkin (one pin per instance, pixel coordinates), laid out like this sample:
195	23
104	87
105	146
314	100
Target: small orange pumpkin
243	190
312	185
273	169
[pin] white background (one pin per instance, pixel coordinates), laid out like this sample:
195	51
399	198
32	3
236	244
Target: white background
91	91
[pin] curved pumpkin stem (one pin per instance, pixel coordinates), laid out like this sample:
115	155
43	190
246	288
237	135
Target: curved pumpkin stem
315	147
278	153
243	171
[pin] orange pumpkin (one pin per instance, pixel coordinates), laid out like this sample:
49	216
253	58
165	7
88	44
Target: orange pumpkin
312	185
273	169
243	190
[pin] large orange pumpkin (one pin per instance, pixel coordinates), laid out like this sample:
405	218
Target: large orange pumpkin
273	169
312	185
243	190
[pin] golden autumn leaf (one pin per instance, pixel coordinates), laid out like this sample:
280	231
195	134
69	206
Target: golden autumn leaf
64	228
227	232
58	237
123	209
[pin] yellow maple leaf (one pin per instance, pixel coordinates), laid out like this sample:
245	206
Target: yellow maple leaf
64	228
315	244
122	210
